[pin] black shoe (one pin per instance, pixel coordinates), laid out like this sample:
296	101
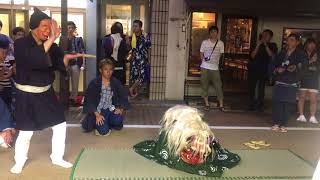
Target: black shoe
251	108
260	109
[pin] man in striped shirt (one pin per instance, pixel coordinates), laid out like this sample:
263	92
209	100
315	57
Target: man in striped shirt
5	70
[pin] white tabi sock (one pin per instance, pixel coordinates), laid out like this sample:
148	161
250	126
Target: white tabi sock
58	145
62	163
21	151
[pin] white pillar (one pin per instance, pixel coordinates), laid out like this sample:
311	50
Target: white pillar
91	39
176	59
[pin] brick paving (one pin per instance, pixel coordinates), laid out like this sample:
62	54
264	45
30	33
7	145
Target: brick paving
149	113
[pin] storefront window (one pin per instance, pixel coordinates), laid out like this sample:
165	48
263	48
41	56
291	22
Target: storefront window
238	36
78	19
200	24
52	3
18	2
5	22
118	13
20	19
142	15
77	3
5	1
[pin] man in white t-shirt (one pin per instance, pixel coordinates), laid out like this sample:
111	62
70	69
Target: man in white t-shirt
211	52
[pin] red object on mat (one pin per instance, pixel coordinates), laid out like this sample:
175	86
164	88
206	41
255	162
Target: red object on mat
189	157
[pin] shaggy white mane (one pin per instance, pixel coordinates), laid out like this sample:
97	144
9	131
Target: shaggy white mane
182	122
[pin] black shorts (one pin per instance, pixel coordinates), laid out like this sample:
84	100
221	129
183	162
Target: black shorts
311	83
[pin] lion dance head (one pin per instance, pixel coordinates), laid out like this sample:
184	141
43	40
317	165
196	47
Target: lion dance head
188	136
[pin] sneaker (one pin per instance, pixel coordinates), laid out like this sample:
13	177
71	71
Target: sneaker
313	120
275	127
96	132
283	129
302	118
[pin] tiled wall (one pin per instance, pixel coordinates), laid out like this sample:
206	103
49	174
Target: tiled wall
158	59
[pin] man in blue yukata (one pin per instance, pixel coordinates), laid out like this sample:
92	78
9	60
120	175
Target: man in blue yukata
105	102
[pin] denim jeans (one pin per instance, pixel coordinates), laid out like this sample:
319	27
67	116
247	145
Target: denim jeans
112	121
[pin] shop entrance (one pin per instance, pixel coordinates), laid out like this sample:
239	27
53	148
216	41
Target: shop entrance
239	35
125	12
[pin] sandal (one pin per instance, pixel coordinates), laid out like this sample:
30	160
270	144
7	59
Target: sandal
275	127
260	143
283	129
252	146
222	109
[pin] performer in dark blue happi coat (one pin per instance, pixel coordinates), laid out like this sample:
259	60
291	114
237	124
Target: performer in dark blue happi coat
37	107
286	68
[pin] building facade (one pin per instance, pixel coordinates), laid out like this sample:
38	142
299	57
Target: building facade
177	28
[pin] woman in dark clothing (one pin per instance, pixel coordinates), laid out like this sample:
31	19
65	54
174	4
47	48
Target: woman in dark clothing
105	102
310	81
286	68
36	106
116	49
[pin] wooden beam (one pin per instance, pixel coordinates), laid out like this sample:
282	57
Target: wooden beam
263	8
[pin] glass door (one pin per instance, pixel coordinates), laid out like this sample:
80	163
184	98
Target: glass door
20	19
79	20
125	12
5	19
238	34
118	13
201	21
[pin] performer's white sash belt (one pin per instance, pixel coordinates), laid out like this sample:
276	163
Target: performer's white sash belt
32	89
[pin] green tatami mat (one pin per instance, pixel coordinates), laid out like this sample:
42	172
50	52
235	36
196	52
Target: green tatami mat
125	164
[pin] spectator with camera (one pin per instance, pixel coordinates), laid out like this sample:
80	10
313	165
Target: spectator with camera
261	57
211	53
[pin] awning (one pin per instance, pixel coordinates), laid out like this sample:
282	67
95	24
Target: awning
284	8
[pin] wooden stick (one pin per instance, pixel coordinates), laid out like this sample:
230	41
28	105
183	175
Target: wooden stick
89	56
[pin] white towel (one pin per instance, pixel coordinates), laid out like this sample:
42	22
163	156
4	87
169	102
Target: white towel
116	44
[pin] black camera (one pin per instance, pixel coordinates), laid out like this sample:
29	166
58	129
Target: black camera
207	59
